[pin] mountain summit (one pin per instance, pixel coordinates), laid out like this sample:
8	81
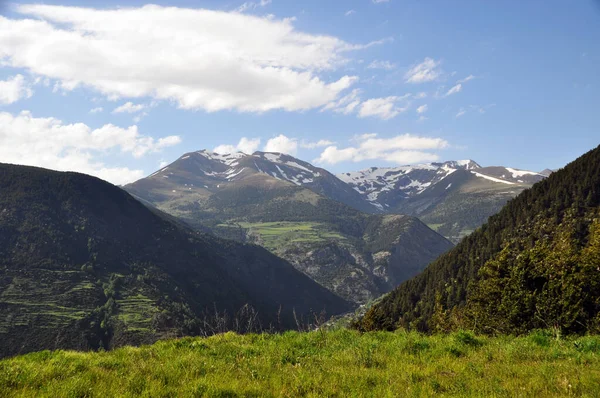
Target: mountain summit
453	197
300	212
205	172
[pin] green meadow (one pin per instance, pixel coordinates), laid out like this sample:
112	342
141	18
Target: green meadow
276	234
336	363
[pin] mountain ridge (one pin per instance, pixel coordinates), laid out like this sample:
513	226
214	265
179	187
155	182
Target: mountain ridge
86	266
533	265
270	199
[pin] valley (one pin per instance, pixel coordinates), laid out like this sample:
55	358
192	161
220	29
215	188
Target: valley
287	206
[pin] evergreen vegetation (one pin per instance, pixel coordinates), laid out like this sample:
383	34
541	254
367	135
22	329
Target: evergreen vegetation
533	265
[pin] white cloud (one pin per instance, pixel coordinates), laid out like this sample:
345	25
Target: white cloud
466	79
97	110
250	5
246	145
421	95
454	90
346	105
196	58
349	12
383	108
474	108
421	118
426	71
422	109
48	142
282	144
14	89
379	1
387	65
457	88
401	149
317	144
129	107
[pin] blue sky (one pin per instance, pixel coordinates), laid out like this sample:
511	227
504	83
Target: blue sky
117	88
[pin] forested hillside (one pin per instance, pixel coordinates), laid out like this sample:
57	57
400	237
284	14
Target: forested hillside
536	264
83	265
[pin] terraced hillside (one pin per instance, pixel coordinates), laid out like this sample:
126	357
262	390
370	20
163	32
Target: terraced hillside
83	265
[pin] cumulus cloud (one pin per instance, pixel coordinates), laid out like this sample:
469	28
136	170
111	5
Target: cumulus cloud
14	89
349	12
48	142
129	107
97	110
401	149
347	104
196	58
387	65
282	144
383	108
426	71
422	109
246	145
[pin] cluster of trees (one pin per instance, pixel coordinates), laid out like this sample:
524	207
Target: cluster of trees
534	264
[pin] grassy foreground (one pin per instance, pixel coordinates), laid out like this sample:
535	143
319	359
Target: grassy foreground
333	363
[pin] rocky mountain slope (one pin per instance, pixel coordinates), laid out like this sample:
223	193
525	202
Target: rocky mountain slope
83	265
534	265
285	205
454	197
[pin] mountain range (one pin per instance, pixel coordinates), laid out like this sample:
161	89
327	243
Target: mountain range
85	266
320	222
301	213
453	197
534	265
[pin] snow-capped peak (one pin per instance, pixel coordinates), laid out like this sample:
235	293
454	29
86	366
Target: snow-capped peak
466	164
228	158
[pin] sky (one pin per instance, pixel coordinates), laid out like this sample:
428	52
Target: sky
118	89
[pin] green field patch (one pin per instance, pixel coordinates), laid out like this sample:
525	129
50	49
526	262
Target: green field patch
435	227
338	363
274	235
136	312
44	315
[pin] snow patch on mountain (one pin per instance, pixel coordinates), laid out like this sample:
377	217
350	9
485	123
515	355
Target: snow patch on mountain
492	178
520	173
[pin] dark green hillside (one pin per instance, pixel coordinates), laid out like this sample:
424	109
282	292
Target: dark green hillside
534	265
84	265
